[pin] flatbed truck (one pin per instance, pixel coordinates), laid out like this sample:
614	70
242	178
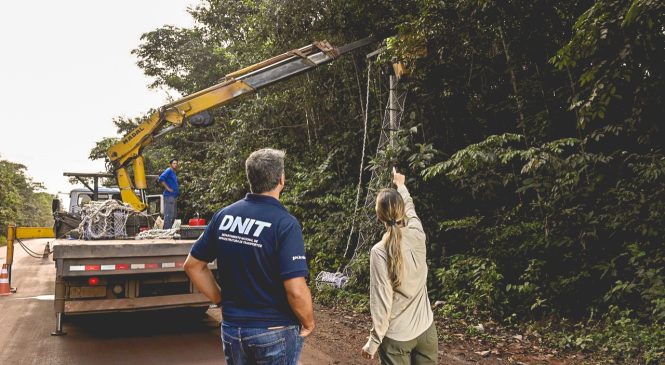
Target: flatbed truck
112	275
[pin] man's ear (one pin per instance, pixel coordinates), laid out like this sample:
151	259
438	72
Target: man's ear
282	179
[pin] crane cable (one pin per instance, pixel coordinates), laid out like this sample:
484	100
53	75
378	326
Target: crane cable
342	277
27	249
339	279
362	166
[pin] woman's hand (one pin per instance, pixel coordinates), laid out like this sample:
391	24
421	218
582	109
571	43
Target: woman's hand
398	179
366	354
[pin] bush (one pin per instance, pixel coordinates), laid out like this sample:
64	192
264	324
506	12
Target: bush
618	335
469	284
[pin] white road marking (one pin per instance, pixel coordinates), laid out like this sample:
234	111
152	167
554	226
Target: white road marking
41	297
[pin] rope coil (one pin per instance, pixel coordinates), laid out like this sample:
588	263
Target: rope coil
157	233
335	279
160	233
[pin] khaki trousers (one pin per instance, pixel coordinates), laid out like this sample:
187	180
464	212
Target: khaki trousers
422	350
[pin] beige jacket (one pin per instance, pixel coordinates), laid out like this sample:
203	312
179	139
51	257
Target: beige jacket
405	313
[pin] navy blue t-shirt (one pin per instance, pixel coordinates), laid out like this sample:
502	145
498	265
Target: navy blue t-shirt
258	245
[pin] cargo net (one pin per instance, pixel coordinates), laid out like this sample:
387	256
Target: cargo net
105	219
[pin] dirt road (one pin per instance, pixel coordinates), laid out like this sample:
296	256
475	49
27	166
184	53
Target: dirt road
164	337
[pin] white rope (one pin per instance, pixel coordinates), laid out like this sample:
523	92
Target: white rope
362	166
336	280
339	279
156	233
160	233
367	230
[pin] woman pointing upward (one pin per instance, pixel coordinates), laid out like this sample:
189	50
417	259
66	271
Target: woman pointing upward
403	329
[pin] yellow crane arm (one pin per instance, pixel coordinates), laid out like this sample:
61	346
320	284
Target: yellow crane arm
16	233
236	84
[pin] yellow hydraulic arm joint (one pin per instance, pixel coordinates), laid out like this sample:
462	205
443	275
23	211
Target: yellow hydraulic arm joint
127	191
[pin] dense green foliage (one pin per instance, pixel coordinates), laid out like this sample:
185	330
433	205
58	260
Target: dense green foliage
21	201
533	137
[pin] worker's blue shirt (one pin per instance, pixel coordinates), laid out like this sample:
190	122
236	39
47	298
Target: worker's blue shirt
258	245
169	177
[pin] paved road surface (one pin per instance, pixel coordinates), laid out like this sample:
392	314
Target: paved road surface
164	337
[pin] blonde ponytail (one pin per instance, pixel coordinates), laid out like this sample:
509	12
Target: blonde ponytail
390	211
393	245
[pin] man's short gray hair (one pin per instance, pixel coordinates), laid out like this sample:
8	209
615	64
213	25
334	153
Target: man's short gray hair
264	169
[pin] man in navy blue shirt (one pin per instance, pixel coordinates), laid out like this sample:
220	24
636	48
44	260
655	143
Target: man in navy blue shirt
169	181
266	304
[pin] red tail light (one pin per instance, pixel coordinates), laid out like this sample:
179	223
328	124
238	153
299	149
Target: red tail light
93	281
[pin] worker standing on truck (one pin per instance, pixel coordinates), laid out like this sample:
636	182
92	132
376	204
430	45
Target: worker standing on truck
266	305
169	181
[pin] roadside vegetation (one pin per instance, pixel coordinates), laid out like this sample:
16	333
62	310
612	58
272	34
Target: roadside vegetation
533	136
21	200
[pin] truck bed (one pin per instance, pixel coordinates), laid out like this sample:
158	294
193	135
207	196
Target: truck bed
63	248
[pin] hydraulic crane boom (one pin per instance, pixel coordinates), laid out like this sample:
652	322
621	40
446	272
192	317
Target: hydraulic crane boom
234	85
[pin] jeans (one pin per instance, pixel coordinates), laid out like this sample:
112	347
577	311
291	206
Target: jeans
246	345
170	210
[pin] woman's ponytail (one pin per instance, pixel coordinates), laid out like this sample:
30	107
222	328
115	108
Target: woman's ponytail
390	211
393	245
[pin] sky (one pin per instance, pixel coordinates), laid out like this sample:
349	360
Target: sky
66	70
